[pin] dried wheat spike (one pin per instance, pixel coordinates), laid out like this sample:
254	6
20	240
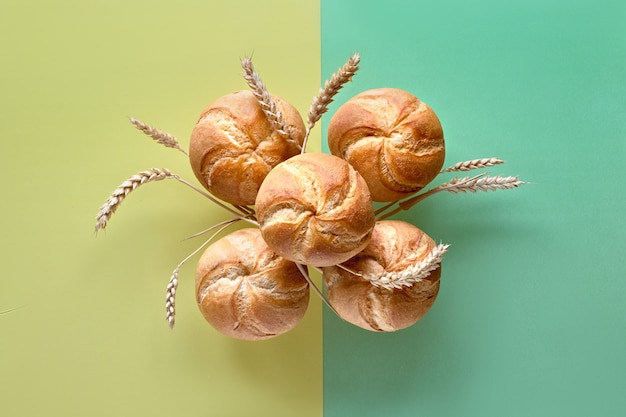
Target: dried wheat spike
319	106
273	114
172	286
474	164
462	185
158	135
480	182
118	195
413	274
170	298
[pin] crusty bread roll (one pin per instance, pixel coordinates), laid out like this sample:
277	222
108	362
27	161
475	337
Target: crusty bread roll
247	291
315	209
233	146
395	247
393	139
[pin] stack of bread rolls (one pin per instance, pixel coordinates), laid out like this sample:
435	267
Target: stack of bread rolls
315	209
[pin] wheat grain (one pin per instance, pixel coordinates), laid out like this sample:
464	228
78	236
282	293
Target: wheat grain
473	164
412	274
120	193
487	183
158	135
170	298
172	285
480	182
157	174
320	103
264	98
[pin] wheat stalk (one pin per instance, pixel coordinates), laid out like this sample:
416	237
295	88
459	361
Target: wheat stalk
158	135
119	194
319	292
462	185
264	98
412	274
172	285
155	174
9	310
320	103
481	182
473	164
170	298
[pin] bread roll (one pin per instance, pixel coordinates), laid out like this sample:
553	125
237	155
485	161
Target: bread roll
315	209
395	246
247	291
233	146
393	139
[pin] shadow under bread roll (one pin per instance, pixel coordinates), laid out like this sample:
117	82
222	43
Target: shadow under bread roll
380	300
247	291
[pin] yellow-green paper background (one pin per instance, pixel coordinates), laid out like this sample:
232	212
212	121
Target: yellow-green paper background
89	337
531	317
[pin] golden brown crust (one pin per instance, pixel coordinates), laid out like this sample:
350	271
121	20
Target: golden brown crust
247	291
395	246
393	139
315	209
233	146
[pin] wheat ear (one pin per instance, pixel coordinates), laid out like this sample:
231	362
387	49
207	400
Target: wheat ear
487	183
412	274
473	164
481	182
320	103
158	135
153	174
119	194
264	98
172	285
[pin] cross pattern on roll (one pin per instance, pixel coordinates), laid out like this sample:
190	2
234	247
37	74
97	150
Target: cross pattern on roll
246	291
315	209
395	247
233	146
392	138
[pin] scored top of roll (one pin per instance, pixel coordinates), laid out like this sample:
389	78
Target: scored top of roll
315	209
392	138
233	146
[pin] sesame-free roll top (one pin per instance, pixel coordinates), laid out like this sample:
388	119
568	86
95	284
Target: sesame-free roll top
398	279
234	146
392	138
315	209
247	291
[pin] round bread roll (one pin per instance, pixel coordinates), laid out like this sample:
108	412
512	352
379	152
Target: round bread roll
233	146
247	291
315	209
372	301
393	139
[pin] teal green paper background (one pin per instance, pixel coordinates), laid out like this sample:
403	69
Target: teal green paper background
531	316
